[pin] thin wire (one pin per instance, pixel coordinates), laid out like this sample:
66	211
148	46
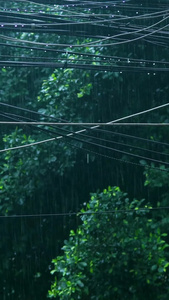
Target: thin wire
111	122
78	214
124	145
28	145
94	67
128	41
71	135
108	60
128	33
123	152
107	57
121	160
12	116
91	143
30	111
97	129
79	131
107	156
83	124
132	137
93	22
88	44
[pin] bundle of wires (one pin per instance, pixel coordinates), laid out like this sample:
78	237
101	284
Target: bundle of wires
90	24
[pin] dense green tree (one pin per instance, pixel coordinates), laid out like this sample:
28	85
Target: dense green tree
117	253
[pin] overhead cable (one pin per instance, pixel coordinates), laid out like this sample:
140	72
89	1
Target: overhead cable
78	214
96	45
83	124
96	128
79	131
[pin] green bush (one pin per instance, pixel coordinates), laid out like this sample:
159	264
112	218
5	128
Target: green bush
117	253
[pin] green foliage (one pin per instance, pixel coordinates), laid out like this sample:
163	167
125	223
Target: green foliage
65	93
16	84
117	253
29	170
157	178
30	184
157	182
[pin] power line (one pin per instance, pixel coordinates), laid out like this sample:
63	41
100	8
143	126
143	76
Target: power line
123	144
29	145
98	41
78	214
97	127
123	152
83	124
71	135
132	137
79	131
107	57
88	142
74	137
121	160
